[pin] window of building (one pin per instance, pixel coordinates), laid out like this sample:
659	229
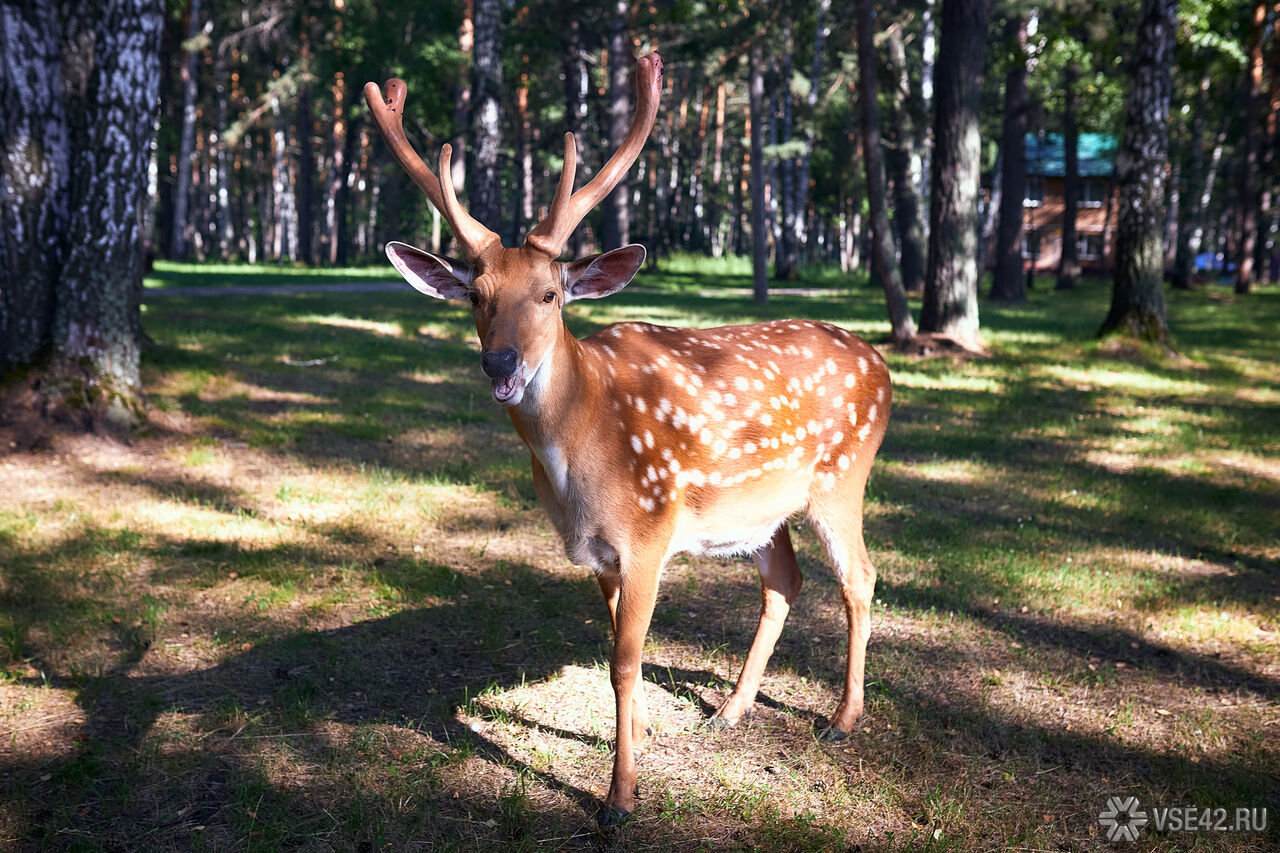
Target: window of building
1030	244
1092	193
1035	191
1089	246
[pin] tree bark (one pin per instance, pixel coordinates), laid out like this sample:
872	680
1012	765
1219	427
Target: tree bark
182	189
86	94
785	265
1137	300
759	240
1069	264
1006	283
901	154
306	155
575	100
886	269
951	282
486	116
1249	196
615	231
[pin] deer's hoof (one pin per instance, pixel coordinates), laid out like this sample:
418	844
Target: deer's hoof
831	734
721	723
613	816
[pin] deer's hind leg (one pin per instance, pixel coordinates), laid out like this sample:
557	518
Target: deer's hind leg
837	516
780	581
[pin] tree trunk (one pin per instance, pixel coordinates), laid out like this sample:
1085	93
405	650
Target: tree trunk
1006	283
462	100
80	339
900	155
575	100
306	156
785	261
811	102
1137	301
951	282
182	190
225	225
759	240
1069	264
886	269
333	210
486	116
1249	196
616	228
35	175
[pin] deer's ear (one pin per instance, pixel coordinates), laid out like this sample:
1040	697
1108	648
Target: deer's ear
434	275
600	275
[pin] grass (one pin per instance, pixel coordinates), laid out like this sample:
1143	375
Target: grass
317	606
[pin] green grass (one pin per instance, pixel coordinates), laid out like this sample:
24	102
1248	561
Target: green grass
319	606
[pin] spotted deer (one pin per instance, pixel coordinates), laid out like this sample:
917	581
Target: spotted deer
649	441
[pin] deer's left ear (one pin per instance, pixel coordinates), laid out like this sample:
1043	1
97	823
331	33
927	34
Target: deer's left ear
600	275
434	275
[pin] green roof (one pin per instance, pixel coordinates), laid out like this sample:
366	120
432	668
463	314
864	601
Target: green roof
1045	154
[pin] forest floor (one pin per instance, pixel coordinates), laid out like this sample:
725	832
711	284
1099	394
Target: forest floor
315	604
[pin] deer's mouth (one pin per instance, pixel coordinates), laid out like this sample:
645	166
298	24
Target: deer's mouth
508	391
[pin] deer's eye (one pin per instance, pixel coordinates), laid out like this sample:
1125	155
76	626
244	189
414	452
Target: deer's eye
549	296
475	300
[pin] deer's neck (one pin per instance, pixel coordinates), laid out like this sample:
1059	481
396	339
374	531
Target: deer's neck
557	398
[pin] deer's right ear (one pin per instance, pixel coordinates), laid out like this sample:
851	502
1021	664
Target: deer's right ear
434	275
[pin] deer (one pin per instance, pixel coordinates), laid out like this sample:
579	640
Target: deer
649	441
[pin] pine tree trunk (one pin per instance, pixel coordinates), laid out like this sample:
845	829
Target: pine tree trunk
462	100
80	339
486	116
306	160
785	263
182	189
1069	264
1006	283
883	262
333	211
759	240
225	225
1249	196
811	101
951	282
899	157
615	230
1137	301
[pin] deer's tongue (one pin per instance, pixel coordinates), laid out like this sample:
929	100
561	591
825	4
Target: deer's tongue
505	389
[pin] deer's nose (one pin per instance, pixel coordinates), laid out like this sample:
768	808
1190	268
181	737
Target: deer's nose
498	364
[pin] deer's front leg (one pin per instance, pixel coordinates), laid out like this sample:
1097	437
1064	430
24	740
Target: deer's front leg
637	586
610	585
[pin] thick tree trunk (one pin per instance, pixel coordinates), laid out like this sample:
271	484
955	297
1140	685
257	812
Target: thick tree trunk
80	340
1006	283
883	263
486	116
34	177
900	157
951	283
1137	301
615	230
1069	264
182	188
759	240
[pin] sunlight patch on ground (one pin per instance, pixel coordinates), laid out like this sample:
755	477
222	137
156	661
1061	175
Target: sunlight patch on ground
947	382
1124	380
388	330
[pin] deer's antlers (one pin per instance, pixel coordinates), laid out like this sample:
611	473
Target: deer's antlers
567	207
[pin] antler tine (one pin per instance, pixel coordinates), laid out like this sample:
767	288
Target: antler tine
553	232
388	112
473	237
538	238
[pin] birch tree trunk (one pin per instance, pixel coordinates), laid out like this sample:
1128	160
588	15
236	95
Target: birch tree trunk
1137	298
951	282
486	116
79	340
